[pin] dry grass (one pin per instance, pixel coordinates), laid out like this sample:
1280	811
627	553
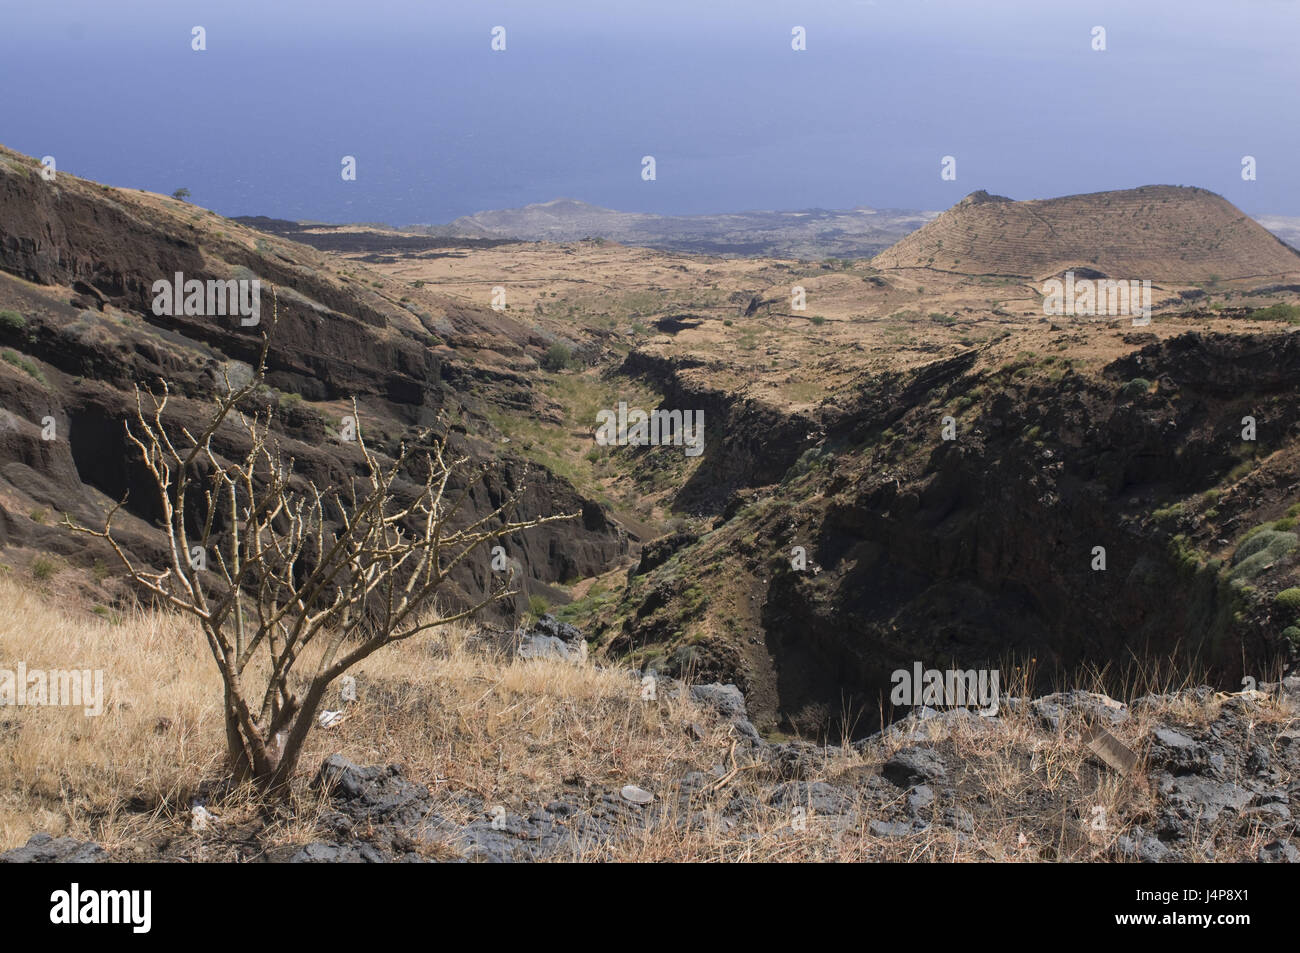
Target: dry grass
65	772
453	715
461	717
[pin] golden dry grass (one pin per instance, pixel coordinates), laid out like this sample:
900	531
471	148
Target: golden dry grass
461	717
452	715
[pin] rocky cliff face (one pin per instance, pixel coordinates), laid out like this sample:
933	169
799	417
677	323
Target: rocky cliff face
77	267
990	508
747	442
1073	519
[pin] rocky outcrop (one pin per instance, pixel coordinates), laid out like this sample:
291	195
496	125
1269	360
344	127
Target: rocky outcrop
44	849
1222	787
747	443
550	638
985	547
77	265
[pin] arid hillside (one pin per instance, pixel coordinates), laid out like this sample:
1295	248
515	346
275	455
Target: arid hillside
826	431
79	333
945	460
1157	232
900	464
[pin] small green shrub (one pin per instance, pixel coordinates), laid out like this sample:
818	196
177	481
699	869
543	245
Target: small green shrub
1167	514
1288	599
558	357
17	360
1135	388
1262	541
1187	560
12	321
44	568
1240	471
1260	550
107	614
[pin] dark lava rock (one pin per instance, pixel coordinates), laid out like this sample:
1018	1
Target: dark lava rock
1279	852
322	853
658	551
890	829
374	794
1202	799
1177	752
1095	707
1142	846
44	849
551	638
797	760
818	796
728	701
1259	761
919	799
959	819
914	766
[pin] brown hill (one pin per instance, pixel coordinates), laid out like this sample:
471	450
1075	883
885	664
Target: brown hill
78	332
1157	232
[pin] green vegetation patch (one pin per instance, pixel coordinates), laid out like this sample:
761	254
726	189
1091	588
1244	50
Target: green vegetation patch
1135	388
1288	599
1289	313
19	361
1259	550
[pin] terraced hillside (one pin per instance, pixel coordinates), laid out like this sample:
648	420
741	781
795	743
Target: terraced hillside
1157	232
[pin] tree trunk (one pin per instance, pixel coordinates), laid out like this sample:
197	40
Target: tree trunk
294	737
236	750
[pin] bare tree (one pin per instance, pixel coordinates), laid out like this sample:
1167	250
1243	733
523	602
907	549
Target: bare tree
346	570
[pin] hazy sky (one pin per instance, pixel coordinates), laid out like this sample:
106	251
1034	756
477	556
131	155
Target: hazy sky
443	126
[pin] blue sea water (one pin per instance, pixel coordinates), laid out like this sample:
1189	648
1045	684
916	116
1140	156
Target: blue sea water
441	125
